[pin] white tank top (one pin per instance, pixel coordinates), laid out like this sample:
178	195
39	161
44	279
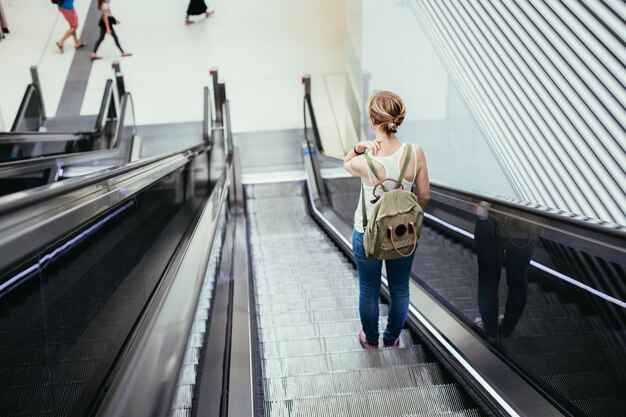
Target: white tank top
393	166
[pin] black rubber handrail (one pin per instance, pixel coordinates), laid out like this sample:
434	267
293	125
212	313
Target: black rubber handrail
34	136
17	201
28	96
105	107
141	389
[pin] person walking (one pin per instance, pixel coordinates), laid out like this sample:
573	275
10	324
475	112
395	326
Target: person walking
106	23
66	8
195	8
386	112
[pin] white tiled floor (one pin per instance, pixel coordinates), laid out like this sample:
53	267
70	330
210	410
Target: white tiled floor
261	49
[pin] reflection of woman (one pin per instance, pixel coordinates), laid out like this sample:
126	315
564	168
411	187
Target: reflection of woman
196	8
499	244
386	112
106	27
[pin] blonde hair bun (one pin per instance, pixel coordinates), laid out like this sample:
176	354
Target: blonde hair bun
386	110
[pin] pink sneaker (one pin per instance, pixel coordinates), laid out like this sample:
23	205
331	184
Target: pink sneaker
394	344
364	342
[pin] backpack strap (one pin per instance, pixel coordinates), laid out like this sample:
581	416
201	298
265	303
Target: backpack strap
407	158
372	167
363	210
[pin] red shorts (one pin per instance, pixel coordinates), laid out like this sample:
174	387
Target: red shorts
70	16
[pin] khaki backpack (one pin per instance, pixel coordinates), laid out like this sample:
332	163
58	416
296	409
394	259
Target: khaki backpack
396	219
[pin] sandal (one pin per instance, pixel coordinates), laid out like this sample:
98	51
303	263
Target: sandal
60	46
127	54
93	58
80	45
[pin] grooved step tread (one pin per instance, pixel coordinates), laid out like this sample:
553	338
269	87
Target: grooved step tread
439	400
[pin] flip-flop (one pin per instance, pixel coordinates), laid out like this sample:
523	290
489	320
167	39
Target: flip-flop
127	54
80	45
59	46
93	58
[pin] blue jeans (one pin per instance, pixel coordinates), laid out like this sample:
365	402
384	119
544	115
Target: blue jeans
398	273
493	252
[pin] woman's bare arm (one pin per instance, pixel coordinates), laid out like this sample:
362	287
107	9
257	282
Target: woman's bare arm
422	181
105	17
355	163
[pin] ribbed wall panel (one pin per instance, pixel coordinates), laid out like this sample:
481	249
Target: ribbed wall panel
545	81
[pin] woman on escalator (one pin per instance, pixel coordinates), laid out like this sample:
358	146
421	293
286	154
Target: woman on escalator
386	112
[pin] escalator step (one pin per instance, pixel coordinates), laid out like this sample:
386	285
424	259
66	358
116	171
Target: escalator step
423	401
342	361
353	382
318	346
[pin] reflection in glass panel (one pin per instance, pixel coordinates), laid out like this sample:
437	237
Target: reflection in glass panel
61	330
569	340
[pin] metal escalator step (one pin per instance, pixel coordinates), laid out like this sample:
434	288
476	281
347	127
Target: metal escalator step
333	303
184	397
344	361
343	313
318	346
422	401
352	382
281	308
293	348
283	319
292	332
181	412
192	356
345	279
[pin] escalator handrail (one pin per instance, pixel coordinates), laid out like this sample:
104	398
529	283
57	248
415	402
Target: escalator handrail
142	389
27	198
30	90
117	151
207	121
105	108
469	200
26	137
146	390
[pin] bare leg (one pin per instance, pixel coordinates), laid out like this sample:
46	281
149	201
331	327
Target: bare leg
76	41
70	32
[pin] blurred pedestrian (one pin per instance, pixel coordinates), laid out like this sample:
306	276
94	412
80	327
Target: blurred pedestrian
66	8
106	23
197	7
